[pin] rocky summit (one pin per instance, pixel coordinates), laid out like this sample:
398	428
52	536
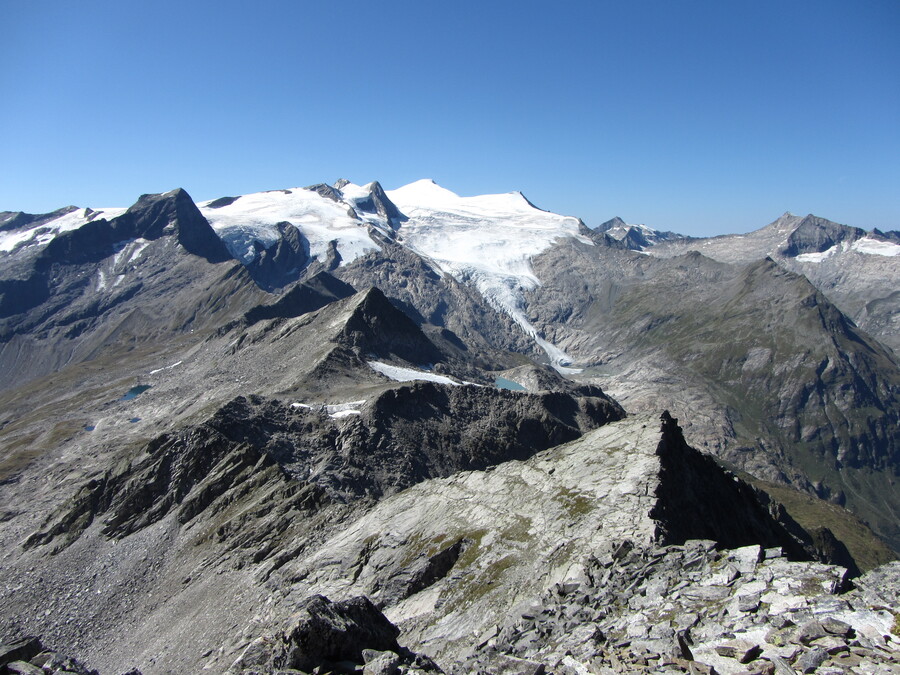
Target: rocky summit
343	429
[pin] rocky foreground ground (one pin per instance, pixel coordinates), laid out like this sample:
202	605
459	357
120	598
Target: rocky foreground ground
677	609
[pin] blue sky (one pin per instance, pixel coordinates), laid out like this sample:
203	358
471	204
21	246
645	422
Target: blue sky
699	117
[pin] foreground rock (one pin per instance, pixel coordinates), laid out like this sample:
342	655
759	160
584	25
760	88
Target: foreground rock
28	656
329	636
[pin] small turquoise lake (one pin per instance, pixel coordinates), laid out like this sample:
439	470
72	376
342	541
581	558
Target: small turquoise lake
134	392
511	385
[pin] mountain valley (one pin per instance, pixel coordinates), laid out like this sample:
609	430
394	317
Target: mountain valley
348	429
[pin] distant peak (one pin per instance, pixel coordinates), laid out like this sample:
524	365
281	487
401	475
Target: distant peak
611	224
527	201
424	191
424	184
340	183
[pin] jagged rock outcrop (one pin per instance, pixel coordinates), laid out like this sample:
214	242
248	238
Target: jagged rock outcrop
697	500
284	262
511	532
332	636
377	327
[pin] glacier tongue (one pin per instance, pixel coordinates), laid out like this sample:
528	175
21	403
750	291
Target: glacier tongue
487	241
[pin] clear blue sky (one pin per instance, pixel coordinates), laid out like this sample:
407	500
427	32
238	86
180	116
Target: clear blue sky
700	117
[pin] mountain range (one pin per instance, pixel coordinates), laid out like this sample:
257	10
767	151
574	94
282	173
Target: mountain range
442	413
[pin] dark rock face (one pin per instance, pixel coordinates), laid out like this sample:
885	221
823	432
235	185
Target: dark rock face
378	203
890	235
221	202
332	632
22	649
283	263
815	235
698	500
326	636
191	472
377	327
151	217
20	295
307	296
422	573
326	191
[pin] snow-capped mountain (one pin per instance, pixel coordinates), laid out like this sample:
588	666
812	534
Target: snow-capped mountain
486	241
20	229
249	224
805	238
635	237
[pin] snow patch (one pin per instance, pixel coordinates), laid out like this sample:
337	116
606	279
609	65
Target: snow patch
159	370
335	411
129	251
866	246
399	374
343	413
876	247
138	248
816	257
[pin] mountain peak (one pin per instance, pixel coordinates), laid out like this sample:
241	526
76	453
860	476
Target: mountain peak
424	191
372	199
611	224
375	326
154	215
